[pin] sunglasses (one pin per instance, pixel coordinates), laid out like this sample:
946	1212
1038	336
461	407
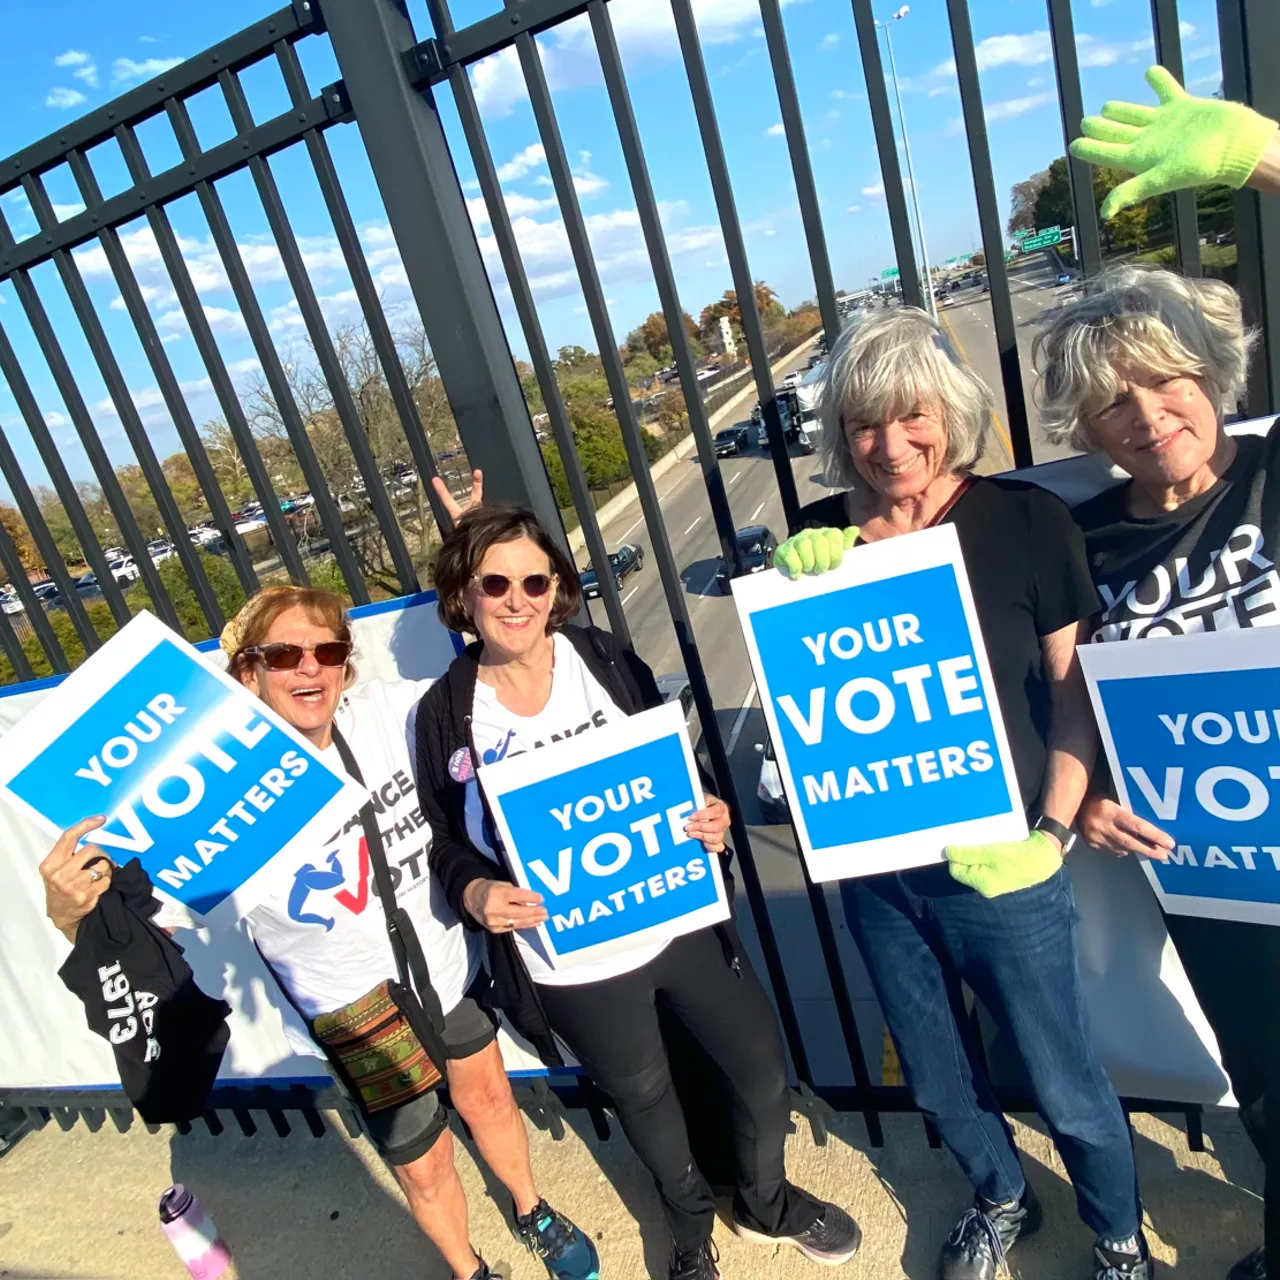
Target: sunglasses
496	585
287	657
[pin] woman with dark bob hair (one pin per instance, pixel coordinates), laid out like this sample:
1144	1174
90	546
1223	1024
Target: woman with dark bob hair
530	679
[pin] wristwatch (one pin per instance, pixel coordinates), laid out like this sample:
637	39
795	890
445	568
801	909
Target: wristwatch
1064	835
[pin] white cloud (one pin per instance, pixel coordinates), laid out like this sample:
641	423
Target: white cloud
532	157
64	211
72	58
1035	82
130	70
854	208
1006	110
1199	55
63	99
586	183
1186	30
53	419
830	41
1102	53
776	130
645	32
1033	48
874	191
147	40
1205	82
221	320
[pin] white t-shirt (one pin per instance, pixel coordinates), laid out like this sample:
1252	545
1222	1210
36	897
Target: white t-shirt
578	703
326	937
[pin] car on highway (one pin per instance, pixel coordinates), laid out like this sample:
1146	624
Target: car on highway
1064	278
944	299
628	559
675	687
792	378
1066	299
756	545
733	440
774	808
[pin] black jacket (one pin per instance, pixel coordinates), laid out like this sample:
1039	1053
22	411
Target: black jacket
139	993
443	729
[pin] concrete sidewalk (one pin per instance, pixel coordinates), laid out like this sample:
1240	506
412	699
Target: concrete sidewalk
83	1205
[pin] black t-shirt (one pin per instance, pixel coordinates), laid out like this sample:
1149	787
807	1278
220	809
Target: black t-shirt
1207	566
1026	562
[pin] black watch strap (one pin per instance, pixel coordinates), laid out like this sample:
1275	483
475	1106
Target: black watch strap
1064	835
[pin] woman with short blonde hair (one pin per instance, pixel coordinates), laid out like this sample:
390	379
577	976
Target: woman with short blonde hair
1144	368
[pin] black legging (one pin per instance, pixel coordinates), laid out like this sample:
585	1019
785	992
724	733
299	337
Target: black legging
612	1028
1234	969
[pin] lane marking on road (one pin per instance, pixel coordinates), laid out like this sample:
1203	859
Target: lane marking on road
737	475
995	413
759	509
692	527
637	522
706	587
738	724
630	593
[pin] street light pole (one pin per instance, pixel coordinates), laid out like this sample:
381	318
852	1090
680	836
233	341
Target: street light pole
906	147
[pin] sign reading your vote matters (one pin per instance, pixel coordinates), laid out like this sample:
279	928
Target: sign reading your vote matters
877	692
596	825
197	778
1191	727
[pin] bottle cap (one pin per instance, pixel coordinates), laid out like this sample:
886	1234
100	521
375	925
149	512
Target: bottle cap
175	1202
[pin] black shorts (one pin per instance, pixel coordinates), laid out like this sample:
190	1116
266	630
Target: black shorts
406	1133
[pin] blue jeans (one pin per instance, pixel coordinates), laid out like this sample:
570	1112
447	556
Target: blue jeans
921	933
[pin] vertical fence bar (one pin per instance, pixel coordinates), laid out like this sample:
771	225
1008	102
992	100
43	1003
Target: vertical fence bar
984	188
1251	73
736	251
130	419
34	609
321	342
895	195
1066	67
1186	231
668	571
810	214
55	566
9	642
409	155
174	400
102	468
207	345
362	282
527	312
664	277
63	487
326	506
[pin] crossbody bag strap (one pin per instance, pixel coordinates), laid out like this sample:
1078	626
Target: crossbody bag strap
405	945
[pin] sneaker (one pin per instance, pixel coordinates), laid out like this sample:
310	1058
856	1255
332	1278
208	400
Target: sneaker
1254	1267
698	1263
976	1248
1133	1263
832	1239
566	1249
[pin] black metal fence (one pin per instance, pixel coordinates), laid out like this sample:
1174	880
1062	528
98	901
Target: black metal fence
390	84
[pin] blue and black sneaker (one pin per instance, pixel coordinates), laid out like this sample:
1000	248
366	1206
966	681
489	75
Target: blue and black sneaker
566	1249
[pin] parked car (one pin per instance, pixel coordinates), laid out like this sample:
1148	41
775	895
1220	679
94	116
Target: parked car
88	587
733	440
628	559
160	550
124	569
9	601
774	808
756	545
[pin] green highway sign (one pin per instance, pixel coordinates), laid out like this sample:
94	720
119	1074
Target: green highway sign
1021	235
890	274
1043	239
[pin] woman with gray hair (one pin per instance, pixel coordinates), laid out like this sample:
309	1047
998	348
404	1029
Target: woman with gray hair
904	423
1143	368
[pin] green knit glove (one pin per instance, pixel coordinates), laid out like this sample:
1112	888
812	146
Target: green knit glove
996	869
1184	142
814	551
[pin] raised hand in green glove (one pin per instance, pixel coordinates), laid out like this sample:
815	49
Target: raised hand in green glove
814	551
996	869
1184	142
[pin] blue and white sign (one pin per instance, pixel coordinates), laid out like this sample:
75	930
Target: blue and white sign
197	778
1191	727
596	825
879	698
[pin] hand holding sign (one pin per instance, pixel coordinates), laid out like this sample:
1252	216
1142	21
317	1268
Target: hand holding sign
1106	825
502	907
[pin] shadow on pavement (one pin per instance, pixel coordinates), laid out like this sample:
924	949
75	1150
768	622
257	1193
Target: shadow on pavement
699	578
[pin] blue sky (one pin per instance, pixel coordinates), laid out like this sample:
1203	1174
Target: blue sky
65	57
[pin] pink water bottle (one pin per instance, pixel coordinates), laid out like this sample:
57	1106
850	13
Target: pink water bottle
192	1234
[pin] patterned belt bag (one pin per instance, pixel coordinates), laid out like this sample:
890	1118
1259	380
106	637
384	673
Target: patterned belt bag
374	1046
